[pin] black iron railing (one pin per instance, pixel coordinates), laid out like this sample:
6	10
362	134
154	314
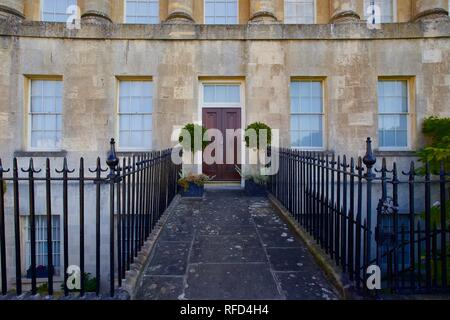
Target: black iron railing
362	216
122	206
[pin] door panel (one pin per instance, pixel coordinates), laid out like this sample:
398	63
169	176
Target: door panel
211	120
222	119
231	120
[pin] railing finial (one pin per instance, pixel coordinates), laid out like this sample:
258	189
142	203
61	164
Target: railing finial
112	161
369	159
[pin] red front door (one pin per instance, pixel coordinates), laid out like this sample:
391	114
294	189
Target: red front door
223	119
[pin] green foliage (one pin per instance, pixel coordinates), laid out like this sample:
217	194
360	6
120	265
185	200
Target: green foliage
198	179
436	271
257	126
435	214
42	289
437	131
194	130
257	178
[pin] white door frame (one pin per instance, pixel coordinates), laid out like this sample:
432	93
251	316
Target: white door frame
241	105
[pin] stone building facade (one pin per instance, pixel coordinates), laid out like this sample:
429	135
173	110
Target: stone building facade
325	77
257	50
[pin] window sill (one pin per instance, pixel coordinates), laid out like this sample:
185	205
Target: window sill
393	153
132	153
318	151
40	154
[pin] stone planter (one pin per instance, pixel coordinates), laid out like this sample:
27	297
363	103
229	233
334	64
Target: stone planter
253	189
193	191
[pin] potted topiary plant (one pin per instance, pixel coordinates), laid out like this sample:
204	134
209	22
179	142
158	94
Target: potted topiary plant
191	184
255	183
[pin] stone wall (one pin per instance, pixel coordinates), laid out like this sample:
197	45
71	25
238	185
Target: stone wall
406	10
349	58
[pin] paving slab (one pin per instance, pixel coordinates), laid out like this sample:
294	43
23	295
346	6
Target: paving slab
228	249
231	281
161	288
230	246
170	258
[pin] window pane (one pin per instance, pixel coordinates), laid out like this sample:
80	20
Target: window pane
311	100
56	10
221	11
393	130
209	94
45	114
383	10
295	105
295	122
299	11
393	109
41	242
142	11
221	94
135	114
306	114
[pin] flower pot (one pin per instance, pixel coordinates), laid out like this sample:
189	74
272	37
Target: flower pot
193	191
41	272
253	189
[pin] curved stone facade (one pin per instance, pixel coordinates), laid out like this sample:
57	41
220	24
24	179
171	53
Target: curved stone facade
180	11
430	9
12	9
262	11
344	11
96	11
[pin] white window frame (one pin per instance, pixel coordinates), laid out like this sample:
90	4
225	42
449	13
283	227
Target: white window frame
241	105
407	114
125	14
221	104
323	114
26	243
120	147
42	13
394	11
315	12
30	115
213	24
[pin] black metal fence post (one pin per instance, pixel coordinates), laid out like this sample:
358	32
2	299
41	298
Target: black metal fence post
17	238
444	227
2	233
65	178
369	161
112	161
81	221
32	223
49	227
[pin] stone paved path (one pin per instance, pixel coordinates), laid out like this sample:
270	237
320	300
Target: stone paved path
229	246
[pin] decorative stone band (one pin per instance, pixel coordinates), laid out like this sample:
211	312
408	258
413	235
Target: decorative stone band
345	16
93	16
179	17
432	14
262	16
6	12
